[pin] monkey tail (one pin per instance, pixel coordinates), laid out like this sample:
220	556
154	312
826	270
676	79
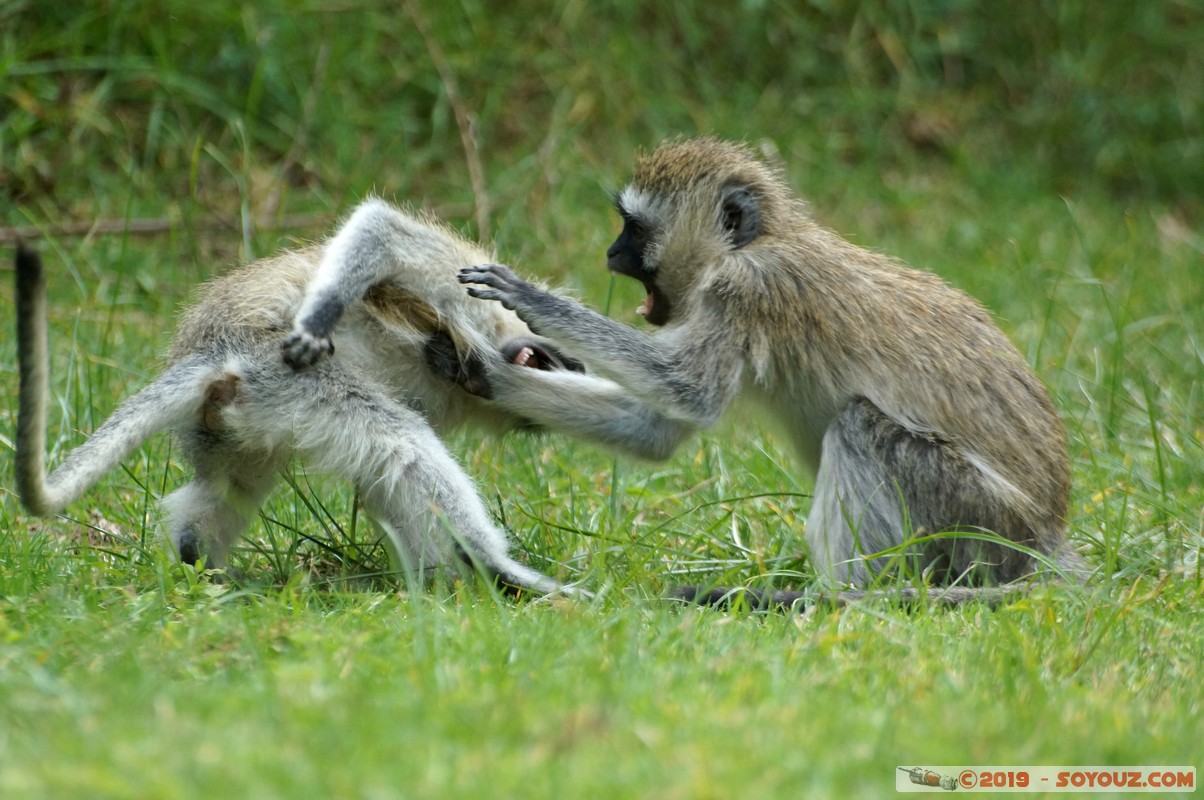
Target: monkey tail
793	601
752	599
34	381
171	398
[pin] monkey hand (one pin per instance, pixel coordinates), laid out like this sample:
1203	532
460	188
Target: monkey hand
500	284
302	349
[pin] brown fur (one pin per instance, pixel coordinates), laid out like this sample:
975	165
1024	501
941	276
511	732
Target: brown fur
242	403
902	396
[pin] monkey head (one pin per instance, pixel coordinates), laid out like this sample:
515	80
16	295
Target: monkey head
537	353
689	204
471	373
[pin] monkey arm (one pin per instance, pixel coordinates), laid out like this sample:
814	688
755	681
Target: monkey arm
689	374
587	407
560	397
351	262
377	243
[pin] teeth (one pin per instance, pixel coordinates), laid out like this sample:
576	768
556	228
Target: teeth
523	356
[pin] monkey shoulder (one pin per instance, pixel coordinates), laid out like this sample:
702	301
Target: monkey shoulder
752	291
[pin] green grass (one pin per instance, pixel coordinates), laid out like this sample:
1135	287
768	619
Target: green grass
1052	174
319	694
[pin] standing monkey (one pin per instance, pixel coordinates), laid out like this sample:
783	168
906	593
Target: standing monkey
914	413
384	288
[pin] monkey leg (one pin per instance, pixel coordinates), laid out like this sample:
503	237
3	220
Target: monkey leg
232	477
408	481
880	484
206	517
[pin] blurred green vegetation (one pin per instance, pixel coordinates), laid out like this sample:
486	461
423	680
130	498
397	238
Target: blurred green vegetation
337	98
1046	156
1054	146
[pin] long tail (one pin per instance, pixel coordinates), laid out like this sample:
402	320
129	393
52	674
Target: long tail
34	386
763	600
174	397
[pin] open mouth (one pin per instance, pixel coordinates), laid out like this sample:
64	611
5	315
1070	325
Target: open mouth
539	355
655	308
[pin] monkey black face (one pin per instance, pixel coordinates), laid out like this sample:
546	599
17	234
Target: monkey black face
627	257
739	223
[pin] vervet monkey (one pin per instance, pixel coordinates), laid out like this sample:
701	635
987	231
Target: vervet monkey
384	288
914	413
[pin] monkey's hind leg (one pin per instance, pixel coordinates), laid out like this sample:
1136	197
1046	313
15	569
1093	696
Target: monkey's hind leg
856	509
234	468
879	483
207	516
408	481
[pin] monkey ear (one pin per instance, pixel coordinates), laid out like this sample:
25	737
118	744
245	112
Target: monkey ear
740	211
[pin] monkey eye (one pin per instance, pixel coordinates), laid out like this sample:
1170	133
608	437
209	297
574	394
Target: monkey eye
633	227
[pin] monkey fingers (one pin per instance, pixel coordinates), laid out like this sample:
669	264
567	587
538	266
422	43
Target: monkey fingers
504	285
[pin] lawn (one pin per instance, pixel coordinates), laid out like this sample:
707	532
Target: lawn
1054	175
